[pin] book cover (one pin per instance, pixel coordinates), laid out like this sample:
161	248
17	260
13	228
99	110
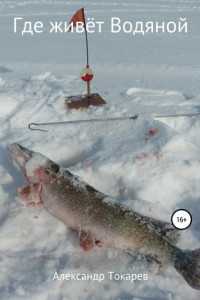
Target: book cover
99	150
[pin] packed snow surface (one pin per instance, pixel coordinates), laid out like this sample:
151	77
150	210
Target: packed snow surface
150	164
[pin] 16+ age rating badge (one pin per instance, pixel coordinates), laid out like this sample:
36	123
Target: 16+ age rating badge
181	219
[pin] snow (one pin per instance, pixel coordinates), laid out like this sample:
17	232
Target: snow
150	164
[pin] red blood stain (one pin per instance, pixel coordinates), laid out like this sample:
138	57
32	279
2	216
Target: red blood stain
152	132
39	171
87	248
36	217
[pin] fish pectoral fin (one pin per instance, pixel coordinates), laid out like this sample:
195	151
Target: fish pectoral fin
25	192
149	258
31	195
153	258
88	242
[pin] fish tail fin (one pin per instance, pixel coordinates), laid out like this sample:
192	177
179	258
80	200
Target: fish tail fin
187	264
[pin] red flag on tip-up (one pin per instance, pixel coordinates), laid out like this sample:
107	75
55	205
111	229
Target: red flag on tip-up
78	17
86	74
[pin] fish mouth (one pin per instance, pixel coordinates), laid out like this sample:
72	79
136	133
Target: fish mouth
19	155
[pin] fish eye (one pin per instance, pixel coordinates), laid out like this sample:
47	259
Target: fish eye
52	167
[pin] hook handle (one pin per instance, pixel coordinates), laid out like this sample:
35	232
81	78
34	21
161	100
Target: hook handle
35	124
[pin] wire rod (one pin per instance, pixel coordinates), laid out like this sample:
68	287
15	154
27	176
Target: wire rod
31	125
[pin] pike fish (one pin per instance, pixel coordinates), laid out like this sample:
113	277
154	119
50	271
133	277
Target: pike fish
99	220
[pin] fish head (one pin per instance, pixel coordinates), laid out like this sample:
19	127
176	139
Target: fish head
35	167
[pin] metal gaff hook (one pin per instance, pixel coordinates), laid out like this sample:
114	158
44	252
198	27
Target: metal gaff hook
79	121
35	124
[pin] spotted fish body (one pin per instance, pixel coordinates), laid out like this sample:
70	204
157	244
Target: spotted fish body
100	220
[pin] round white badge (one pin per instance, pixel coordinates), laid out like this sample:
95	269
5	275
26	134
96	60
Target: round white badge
181	219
